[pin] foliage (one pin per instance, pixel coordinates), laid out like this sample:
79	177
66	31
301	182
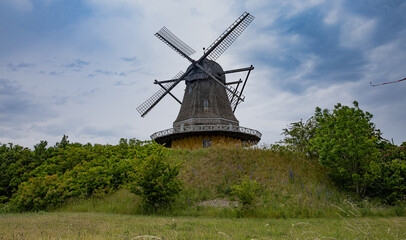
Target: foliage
39	193
347	143
357	157
299	134
295	185
391	182
155	179
15	162
45	178
247	192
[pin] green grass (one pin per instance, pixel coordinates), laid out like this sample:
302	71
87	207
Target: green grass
124	202
293	186
118	226
121	202
297	202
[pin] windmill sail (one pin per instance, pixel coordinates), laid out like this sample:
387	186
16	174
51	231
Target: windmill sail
145	107
174	42
221	44
234	101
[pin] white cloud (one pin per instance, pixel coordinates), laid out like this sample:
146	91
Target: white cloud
334	13
356	32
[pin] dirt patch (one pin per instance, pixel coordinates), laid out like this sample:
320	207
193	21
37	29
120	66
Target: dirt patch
218	203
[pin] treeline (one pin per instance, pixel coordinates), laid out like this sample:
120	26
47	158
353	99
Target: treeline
46	177
358	159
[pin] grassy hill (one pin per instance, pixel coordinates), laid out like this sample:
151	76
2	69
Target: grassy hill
83	190
292	186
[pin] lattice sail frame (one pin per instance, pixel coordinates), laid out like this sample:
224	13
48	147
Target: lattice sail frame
146	106
174	42
243	21
234	101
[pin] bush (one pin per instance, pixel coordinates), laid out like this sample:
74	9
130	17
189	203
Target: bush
155	180
39	194
392	176
247	192
47	177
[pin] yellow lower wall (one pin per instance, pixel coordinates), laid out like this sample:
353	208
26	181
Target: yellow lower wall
196	142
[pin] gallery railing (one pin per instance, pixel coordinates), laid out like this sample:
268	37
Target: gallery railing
205	128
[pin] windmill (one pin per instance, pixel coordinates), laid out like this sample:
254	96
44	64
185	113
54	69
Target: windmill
206	116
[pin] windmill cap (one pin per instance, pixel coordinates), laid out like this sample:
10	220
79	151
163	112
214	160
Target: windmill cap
210	66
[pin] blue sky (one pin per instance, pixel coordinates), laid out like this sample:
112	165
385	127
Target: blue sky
81	68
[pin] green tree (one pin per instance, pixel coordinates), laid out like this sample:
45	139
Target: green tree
357	157
63	143
347	144
298	135
15	162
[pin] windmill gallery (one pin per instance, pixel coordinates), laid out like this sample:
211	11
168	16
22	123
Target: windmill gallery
206	117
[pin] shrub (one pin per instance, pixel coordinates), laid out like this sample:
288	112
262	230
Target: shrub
39	194
247	192
48	177
155	180
392	176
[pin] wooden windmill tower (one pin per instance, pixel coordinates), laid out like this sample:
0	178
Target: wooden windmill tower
206	117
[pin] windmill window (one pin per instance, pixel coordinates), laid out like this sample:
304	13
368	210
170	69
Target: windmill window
206	105
206	143
190	90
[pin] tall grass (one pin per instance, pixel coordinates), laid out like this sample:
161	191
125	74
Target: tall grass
121	202
293	186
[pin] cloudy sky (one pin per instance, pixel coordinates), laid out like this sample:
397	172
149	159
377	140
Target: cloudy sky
81	68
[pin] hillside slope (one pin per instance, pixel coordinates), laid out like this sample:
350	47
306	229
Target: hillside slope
292	185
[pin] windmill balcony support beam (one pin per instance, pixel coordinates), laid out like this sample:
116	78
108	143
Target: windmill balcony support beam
166	81
236	82
238	70
243	86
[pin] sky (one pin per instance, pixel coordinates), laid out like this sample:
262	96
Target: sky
80	68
